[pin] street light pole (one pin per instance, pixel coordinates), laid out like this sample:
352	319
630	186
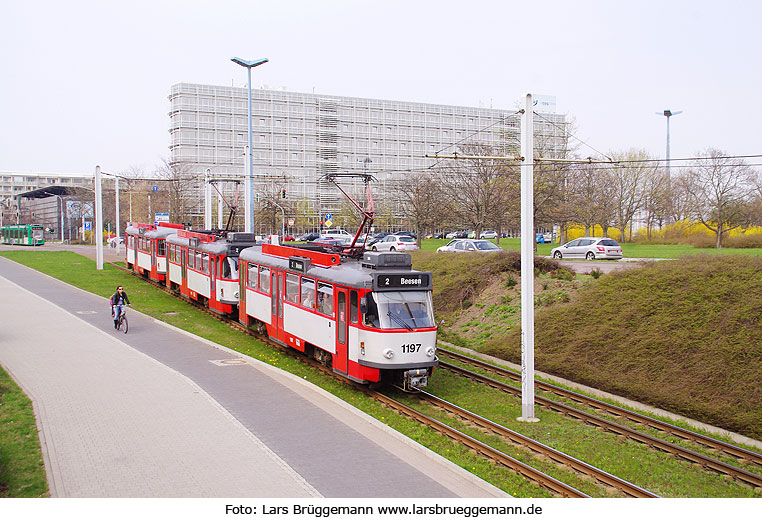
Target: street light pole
669	114
249	190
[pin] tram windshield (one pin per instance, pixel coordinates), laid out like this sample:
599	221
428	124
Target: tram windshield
230	268
400	310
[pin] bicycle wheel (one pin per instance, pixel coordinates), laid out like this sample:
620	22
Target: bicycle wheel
125	325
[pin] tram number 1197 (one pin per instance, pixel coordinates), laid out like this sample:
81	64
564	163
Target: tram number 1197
411	347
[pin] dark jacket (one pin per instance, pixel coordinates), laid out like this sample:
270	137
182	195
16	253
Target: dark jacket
115	298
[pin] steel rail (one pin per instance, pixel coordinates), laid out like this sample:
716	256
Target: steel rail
543	480
575	464
680	452
685	434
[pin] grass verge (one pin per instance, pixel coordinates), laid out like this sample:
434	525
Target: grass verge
22	471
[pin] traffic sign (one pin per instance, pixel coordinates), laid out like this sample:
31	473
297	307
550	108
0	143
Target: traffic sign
328	223
88	226
328	216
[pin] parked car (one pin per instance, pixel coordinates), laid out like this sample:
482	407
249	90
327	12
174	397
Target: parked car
330	241
113	241
589	248
395	242
312	236
547	237
337	233
406	233
375	238
289	237
470	245
488	234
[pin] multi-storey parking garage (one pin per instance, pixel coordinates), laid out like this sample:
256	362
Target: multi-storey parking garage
300	137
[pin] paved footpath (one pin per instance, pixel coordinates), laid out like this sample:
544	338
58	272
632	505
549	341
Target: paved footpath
162	413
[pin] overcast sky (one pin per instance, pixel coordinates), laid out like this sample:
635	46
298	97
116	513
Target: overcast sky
86	83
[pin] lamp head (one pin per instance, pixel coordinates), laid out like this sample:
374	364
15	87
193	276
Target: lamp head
249	63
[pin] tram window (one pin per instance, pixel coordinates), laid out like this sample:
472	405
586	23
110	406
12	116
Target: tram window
197	263
264	279
292	288
205	263
252	275
371	316
160	248
325	299
191	259
353	306
308	293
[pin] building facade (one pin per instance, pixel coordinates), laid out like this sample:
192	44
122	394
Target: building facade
300	138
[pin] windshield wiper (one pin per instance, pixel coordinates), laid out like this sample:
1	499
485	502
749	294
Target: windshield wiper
399	320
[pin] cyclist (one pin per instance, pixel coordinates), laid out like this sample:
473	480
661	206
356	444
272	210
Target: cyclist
118	302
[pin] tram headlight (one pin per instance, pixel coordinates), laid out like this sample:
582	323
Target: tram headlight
388	354
431	352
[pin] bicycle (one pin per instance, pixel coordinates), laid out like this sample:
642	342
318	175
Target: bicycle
121	322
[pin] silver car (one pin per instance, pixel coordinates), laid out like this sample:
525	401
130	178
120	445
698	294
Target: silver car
589	248
469	245
395	242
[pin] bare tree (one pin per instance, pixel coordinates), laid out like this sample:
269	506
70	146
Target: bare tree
655	199
479	189
184	189
627	179
424	203
718	188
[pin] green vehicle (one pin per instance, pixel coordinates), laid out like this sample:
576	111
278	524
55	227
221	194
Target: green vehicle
29	235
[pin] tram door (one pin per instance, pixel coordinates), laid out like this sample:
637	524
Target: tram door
212	276
277	290
153	244
341	360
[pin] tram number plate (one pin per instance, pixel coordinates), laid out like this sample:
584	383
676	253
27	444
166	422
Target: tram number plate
411	347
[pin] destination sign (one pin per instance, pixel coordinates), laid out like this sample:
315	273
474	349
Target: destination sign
397	281
299	264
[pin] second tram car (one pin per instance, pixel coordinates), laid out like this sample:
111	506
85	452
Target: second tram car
28	235
372	320
146	248
204	267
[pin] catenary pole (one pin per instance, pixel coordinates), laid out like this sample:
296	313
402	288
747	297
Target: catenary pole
527	263
98	219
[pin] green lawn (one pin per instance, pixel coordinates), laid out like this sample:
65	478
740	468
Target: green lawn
22	472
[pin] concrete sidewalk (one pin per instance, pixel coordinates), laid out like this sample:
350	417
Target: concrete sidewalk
116	423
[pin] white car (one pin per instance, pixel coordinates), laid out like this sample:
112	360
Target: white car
488	234
470	245
337	233
394	242
589	248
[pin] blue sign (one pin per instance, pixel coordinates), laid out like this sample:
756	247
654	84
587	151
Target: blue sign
88	226
328	216
155	188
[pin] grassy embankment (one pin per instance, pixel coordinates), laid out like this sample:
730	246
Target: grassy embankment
683	335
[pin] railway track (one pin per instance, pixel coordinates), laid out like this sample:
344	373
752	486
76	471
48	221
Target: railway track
538	448
706	462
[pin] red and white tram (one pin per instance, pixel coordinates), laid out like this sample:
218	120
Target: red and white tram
204	267
146	249
372	319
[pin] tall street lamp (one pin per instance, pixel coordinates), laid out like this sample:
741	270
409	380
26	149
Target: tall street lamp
249	191
669	114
